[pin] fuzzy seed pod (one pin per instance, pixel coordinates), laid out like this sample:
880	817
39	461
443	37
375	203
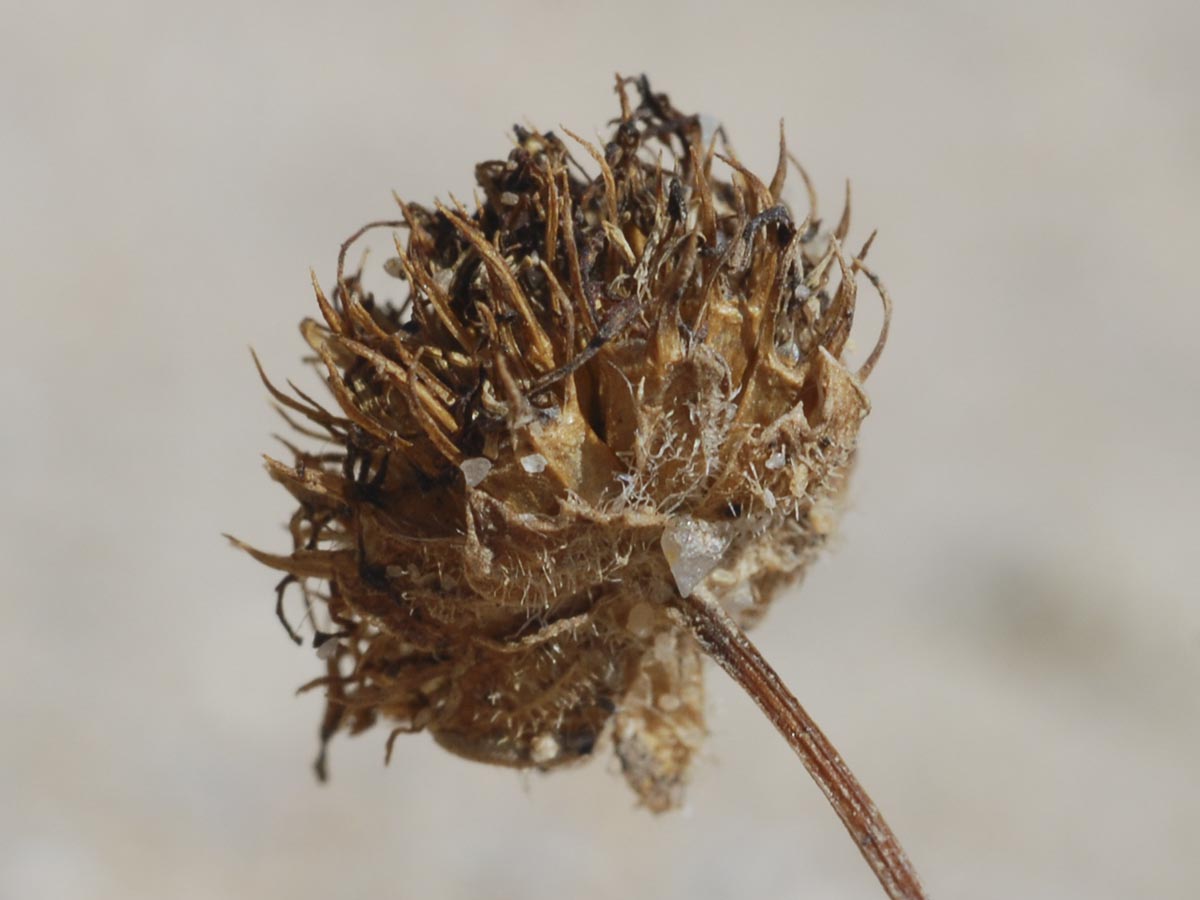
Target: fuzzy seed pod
609	421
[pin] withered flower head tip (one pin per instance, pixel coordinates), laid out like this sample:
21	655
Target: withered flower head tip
610	419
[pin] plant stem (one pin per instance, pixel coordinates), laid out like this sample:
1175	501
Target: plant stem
728	645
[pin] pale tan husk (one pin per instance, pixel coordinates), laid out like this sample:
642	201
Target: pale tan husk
635	361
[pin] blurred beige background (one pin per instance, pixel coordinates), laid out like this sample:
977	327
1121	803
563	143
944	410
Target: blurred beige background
1005	643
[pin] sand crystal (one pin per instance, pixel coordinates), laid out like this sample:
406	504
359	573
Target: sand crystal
693	548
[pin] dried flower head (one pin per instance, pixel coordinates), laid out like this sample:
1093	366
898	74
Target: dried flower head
609	421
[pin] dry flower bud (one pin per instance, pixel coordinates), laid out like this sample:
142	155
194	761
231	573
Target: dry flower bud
608	423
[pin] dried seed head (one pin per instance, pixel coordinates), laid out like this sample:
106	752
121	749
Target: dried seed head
600	395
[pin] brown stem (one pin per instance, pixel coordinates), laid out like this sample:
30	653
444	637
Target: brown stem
726	643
